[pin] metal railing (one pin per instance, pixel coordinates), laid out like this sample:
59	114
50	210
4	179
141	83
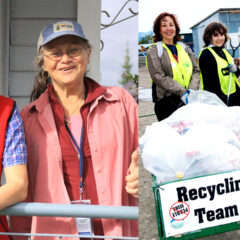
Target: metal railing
147	115
70	210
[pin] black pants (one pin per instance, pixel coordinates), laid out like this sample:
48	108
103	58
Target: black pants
166	106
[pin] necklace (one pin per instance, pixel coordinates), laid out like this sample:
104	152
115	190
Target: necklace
76	109
71	109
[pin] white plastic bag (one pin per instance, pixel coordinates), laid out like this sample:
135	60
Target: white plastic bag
198	139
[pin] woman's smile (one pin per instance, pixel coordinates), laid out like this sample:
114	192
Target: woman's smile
68	69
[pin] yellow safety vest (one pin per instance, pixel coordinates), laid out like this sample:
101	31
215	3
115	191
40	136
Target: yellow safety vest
223	79
182	70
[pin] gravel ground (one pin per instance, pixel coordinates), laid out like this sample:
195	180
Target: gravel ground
147	214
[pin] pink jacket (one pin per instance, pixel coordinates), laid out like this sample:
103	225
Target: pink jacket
113	136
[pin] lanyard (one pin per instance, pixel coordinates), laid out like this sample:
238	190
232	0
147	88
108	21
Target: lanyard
80	155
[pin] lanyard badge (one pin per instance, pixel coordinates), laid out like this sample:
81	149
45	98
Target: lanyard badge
80	156
84	225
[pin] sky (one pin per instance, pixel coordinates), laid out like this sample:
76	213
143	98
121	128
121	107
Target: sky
189	12
115	40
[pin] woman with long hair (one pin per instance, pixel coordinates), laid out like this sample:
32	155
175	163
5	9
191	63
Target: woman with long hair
172	66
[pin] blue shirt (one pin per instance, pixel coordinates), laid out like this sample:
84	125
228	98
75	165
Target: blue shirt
15	151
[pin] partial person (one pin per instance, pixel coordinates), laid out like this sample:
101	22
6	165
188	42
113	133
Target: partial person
219	73
172	67
82	137
13	159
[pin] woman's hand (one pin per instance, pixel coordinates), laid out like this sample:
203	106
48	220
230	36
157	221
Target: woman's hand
132	177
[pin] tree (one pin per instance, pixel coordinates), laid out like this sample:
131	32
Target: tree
146	39
129	81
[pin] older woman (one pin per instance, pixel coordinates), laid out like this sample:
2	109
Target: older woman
81	136
219	74
171	65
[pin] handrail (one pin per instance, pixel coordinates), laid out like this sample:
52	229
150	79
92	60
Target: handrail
60	236
71	210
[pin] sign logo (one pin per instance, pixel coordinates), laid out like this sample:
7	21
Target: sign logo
179	211
63	26
176	224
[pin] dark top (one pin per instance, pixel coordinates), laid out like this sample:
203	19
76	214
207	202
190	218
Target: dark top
208	67
173	50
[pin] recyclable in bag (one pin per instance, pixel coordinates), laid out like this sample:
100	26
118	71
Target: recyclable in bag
198	139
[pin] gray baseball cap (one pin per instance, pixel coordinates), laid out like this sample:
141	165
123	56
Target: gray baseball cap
58	29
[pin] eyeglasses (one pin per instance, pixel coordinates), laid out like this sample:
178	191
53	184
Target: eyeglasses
72	53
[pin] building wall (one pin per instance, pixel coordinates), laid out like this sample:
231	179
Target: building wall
230	19
26	20
188	39
232	22
198	31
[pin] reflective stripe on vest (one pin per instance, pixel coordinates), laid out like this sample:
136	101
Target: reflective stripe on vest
146	62
224	80
182	70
